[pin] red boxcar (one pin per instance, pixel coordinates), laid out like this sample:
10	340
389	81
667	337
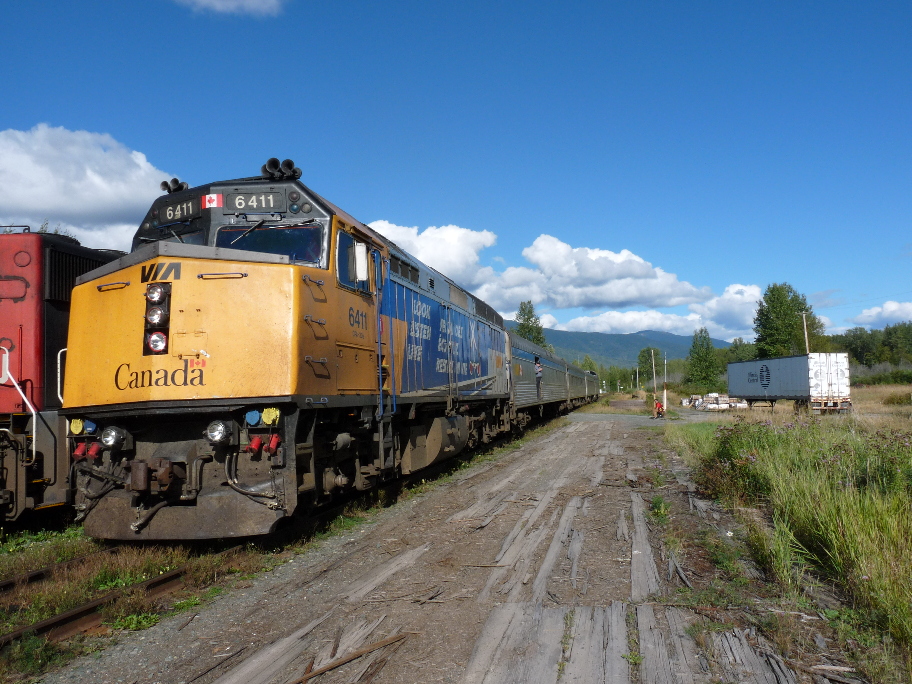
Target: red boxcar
37	273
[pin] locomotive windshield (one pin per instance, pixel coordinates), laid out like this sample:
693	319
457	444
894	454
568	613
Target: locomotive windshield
299	243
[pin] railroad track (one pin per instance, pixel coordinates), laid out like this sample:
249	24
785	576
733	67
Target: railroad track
88	615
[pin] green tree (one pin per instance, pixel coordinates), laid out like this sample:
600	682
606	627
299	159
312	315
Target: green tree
644	363
588	364
702	365
778	323
529	324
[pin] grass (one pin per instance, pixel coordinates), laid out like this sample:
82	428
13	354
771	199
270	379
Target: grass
659	510
835	492
26	551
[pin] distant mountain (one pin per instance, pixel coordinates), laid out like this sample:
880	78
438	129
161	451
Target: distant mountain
611	349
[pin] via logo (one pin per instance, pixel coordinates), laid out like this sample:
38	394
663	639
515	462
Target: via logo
161	271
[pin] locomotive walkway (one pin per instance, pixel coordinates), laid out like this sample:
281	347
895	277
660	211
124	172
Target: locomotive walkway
534	568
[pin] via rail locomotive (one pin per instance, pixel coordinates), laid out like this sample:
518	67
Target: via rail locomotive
37	273
260	349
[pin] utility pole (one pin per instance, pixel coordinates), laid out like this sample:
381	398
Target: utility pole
807	347
665	384
655	383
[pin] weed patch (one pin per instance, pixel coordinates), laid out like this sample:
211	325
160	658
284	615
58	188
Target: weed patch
837	495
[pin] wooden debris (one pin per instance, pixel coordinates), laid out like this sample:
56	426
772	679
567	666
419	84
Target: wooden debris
263	665
557	542
644	577
352	656
374	577
622	531
573	554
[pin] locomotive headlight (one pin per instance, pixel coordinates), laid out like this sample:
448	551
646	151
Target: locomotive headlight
155	293
156	315
157	342
218	431
113	437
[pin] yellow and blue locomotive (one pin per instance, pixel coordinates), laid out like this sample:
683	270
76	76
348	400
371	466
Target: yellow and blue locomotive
259	350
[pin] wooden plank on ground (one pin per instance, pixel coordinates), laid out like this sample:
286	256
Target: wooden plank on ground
644	577
266	663
655	667
540	585
374	577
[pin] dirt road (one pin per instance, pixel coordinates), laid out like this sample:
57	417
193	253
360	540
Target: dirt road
536	567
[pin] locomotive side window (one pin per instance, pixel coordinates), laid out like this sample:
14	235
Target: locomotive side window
350	254
300	243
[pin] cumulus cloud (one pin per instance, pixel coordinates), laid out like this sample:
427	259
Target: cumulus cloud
560	276
734	310
261	7
450	249
891	312
634	321
87	183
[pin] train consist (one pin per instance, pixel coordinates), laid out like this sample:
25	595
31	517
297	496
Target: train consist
260	350
37	273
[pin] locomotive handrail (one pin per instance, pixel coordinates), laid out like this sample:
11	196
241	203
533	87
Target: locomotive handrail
213	276
59	373
7	376
105	287
307	278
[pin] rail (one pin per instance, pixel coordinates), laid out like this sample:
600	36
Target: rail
87	615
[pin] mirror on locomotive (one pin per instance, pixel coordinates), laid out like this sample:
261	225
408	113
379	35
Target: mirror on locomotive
352	263
360	261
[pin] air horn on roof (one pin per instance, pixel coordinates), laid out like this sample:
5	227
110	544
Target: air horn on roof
276	171
173	186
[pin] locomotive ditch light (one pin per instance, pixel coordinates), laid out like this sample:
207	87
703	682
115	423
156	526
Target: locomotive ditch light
156	315
218	432
157	342
114	437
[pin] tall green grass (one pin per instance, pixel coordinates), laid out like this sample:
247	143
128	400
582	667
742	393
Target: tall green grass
839	496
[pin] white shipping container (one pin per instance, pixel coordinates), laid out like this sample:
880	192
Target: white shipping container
819	380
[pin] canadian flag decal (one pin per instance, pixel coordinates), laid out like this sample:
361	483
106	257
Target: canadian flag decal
210	201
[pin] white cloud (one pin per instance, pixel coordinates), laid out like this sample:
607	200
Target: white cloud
261	7
89	183
560	276
450	249
734	310
891	312
548	321
634	321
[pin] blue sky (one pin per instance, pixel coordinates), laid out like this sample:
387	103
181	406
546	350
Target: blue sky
625	165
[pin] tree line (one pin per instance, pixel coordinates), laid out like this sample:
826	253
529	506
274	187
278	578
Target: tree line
784	325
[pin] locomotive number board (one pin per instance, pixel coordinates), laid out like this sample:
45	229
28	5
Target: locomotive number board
180	211
255	202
